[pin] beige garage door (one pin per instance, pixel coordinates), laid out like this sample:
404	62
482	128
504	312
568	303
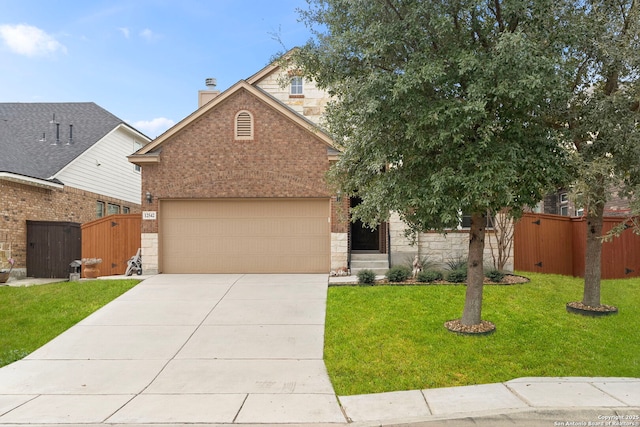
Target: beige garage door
245	236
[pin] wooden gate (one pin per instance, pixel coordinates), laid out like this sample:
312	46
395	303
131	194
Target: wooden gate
544	244
51	247
114	239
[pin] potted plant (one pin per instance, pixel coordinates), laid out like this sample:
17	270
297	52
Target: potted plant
5	273
91	270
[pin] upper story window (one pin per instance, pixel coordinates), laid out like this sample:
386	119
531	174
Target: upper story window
244	126
564	204
296	86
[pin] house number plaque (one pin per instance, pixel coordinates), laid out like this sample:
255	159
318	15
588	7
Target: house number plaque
149	215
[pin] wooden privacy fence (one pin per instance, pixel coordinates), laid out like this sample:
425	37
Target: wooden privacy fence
114	239
557	244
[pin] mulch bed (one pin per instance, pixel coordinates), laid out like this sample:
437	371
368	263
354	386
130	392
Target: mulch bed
483	328
509	279
578	307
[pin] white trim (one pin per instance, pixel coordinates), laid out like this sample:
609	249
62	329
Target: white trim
36	182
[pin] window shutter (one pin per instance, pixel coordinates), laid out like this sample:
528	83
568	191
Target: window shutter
244	125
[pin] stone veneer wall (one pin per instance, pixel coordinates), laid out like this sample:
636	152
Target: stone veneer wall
149	253
310	104
339	250
435	247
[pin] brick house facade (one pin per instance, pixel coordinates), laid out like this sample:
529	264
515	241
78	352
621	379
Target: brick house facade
22	202
204	160
201	158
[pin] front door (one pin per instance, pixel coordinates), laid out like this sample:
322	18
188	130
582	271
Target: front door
362	237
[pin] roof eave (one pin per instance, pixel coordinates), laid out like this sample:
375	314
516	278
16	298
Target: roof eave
28	180
144	159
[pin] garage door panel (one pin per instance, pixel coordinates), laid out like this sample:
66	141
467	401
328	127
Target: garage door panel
251	236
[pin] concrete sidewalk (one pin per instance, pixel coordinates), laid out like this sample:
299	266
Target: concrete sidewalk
247	349
523	398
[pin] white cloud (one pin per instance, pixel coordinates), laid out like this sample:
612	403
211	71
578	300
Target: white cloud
149	35
154	127
30	41
125	31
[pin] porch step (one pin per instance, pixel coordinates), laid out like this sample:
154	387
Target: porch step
378	263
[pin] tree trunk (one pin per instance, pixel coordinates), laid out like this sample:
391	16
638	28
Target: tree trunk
472	314
593	256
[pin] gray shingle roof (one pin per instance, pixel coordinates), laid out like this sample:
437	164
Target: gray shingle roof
22	126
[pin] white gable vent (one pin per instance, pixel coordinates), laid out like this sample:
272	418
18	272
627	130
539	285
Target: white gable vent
244	126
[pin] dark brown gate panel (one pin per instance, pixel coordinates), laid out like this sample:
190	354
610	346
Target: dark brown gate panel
51	247
114	239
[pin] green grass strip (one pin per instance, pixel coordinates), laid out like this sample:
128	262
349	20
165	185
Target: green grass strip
32	316
389	338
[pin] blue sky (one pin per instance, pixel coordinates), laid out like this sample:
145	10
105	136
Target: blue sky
142	60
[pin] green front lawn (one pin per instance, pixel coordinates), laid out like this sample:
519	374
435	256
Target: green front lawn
32	316
387	338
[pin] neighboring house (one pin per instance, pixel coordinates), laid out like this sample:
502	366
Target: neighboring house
62	162
560	203
239	186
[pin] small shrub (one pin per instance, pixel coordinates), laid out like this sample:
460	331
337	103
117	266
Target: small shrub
494	275
429	276
398	273
366	277
459	263
457	276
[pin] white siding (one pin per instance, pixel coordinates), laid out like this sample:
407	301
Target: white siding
104	168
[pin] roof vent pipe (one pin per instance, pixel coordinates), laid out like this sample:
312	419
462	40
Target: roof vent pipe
70	135
57	135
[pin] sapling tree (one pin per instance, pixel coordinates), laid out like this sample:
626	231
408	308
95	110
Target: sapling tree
503	232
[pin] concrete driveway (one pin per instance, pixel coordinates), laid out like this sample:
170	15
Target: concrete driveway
185	349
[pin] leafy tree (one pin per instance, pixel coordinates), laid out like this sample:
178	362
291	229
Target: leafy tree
602	64
440	107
